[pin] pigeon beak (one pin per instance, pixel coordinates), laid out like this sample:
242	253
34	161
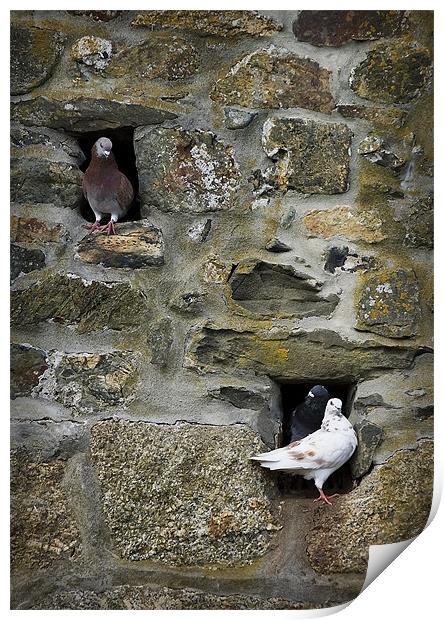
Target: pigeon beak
311	394
106	153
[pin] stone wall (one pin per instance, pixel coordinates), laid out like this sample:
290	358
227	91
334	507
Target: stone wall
282	236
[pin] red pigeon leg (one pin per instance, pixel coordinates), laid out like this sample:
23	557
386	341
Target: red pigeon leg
325	498
93	227
109	228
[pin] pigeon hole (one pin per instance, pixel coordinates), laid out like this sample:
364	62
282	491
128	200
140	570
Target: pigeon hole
123	149
292	394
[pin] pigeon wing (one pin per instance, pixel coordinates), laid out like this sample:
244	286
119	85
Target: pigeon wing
125	193
320	450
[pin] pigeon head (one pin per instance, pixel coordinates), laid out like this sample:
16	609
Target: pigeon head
334	407
103	147
318	391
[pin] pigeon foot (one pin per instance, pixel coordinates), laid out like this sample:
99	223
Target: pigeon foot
109	228
93	227
325	498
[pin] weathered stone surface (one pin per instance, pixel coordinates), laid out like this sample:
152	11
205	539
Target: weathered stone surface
90	382
278	290
135	246
237	119
312	157
388	303
43	528
185	171
89	113
342	222
205	23
334	28
161	338
32	230
390	505
92	51
369	437
215	270
23	260
34	54
335	257
27	366
46	440
191	302
89	305
381	152
240	397
392	72
98	16
415	213
277	246
158	597
43	181
384	117
193	499
45	143
162	55
400	403
199	231
275	78
301	355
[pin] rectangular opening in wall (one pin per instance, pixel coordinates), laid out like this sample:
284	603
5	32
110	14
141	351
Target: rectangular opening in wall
292	395
122	139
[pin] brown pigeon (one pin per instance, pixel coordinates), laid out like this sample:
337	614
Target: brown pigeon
106	189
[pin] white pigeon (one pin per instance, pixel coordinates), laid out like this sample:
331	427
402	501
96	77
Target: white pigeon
316	456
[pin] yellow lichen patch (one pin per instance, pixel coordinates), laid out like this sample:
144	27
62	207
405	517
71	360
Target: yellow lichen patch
343	222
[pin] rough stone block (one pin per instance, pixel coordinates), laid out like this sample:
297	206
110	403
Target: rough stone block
301	355
390	505
163	55
89	305
90	382
205	23
32	230
393	72
313	157
275	78
161	338
27	366
92	52
183	494
278	290
369	437
185	171
23	260
43	527
343	222
34	180
135	246
34	54
98	16
89	112
388	303
160	597
334	28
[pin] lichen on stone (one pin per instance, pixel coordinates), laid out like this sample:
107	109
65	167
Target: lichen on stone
166	498
392	72
275	78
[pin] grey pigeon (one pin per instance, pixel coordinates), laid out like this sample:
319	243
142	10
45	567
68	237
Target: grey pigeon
308	416
318	455
107	190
